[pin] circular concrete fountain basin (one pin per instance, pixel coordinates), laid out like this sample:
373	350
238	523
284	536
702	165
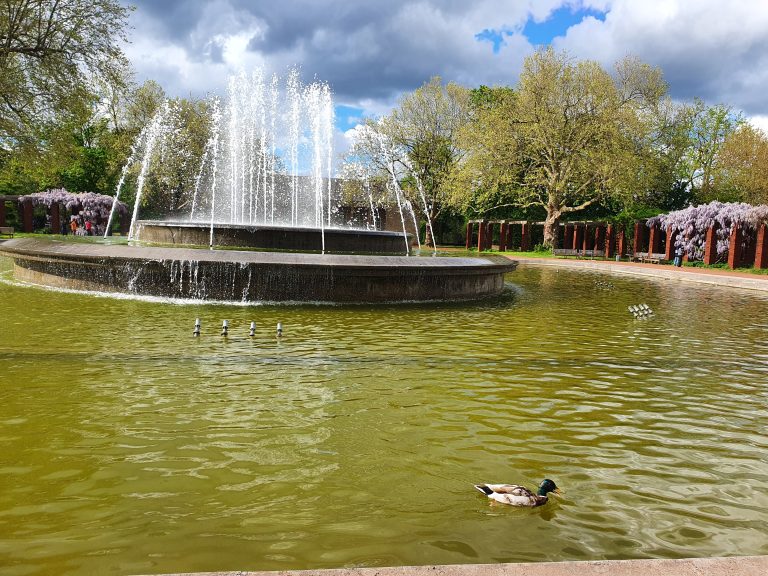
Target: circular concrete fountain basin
234	275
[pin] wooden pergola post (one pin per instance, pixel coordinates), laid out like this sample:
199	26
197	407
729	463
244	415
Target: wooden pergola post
734	250
621	243
600	238
669	250
761	248
654	242
578	236
640	236
503	236
481	232
710	246
525	240
610	241
26	216
568	237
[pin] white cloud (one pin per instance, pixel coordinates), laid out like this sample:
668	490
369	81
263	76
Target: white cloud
706	48
759	121
370	53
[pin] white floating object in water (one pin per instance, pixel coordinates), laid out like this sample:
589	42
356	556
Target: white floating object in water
641	311
196	331
224	328
253	329
279	329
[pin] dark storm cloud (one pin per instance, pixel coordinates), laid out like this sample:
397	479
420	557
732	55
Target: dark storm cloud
174	18
370	52
364	50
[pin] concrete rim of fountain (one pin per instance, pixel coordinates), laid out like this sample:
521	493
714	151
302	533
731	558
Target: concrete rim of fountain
273	237
249	276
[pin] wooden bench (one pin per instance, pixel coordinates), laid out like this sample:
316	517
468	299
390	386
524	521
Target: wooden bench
6	231
578	253
655	258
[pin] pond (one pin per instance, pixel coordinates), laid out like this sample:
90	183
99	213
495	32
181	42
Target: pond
131	447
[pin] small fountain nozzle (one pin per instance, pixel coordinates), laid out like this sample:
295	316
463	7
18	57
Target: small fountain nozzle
196	331
279	329
252	333
224	328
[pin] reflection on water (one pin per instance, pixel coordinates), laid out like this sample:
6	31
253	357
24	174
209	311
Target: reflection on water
131	447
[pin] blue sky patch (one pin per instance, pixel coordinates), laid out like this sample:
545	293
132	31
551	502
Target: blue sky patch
494	37
556	24
347	117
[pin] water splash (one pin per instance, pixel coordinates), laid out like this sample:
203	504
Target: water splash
268	159
131	159
423	196
156	128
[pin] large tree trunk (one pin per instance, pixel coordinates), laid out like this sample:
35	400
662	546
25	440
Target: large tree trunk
551	223
428	240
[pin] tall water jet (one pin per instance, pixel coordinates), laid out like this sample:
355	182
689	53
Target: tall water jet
268	157
121	182
261	129
154	131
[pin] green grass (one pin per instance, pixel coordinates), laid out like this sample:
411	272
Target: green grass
724	267
474	252
73	238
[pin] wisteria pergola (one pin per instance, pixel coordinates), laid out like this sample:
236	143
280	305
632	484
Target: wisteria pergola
95	207
716	231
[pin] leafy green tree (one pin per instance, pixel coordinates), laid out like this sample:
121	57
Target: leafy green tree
142	105
75	151
565	139
421	148
59	61
743	162
709	128
88	170
49	52
129	113
177	162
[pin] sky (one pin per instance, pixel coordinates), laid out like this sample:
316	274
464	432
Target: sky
371	52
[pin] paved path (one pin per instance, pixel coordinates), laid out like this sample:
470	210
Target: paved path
712	276
734	566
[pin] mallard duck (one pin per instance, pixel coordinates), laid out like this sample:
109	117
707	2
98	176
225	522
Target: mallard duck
519	495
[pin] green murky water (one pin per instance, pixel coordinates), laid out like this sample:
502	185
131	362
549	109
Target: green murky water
130	447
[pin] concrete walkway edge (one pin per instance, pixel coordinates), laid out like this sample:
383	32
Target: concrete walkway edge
728	566
658	271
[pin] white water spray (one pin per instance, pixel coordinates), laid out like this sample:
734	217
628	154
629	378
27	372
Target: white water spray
123	174
153	133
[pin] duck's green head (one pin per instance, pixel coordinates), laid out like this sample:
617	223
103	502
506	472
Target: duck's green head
548	486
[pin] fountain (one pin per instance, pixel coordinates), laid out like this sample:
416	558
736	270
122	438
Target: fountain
263	181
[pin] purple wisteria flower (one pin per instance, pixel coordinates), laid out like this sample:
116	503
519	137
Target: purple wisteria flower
95	204
691	224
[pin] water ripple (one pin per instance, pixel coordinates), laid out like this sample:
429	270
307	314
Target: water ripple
354	440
